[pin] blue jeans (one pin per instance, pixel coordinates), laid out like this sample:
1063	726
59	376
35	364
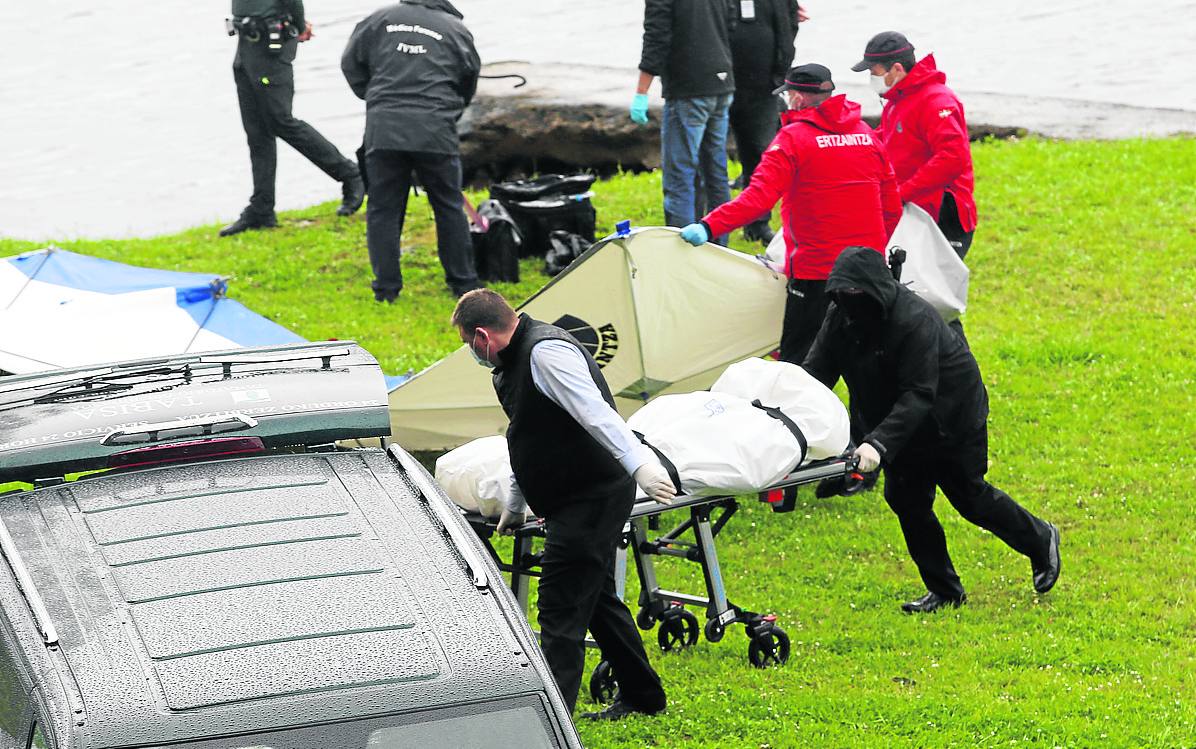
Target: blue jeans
693	152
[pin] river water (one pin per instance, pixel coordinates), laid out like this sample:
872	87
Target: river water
119	118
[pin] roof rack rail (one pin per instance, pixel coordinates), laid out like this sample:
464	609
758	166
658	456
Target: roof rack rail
41	615
440	507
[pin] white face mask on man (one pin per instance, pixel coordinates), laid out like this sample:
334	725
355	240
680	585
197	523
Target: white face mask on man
482	361
878	84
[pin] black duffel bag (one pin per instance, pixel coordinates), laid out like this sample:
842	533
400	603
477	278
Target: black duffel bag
546	204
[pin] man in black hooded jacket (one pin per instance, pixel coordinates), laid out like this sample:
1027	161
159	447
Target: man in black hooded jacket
919	400
415	65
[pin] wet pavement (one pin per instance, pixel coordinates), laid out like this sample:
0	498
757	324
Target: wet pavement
120	119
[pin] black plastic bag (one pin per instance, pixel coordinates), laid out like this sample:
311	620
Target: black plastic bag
545	186
565	247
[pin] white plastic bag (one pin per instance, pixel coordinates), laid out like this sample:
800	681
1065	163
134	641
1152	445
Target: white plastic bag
718	442
932	270
477	475
815	409
775	253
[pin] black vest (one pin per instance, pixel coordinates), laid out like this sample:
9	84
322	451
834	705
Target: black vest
555	461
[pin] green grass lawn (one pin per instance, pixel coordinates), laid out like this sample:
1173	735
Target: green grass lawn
1081	315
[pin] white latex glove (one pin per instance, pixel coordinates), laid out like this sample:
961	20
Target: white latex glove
869	457
655	481
509	522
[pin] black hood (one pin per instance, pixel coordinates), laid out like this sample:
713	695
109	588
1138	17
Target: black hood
442	5
865	269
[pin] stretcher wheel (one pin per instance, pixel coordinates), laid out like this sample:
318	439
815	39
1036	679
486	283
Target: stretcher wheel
603	684
714	630
678	630
644	618
769	648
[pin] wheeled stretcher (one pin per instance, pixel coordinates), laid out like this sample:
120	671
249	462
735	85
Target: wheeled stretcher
692	539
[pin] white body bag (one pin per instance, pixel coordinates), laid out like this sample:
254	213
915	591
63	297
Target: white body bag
717	443
477	475
812	406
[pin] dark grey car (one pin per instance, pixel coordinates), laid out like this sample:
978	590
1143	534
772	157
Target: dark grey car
231	579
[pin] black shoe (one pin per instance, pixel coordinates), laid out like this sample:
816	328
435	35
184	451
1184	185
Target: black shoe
390	297
759	232
353	195
846	486
247	222
932	602
619	710
461	291
1045	577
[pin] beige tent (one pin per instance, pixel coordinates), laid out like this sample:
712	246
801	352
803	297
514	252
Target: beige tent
657	314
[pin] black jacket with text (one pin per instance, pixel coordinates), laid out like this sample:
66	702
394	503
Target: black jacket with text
416	66
913	383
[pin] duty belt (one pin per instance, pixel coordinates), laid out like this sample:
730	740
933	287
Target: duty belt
274	29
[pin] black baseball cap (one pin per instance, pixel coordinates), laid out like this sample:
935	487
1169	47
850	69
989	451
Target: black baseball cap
883	47
810	77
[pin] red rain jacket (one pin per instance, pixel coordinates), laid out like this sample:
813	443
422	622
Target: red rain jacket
925	134
836	188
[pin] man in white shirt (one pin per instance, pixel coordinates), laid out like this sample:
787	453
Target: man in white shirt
576	464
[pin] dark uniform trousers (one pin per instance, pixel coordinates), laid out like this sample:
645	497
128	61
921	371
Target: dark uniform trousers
265	90
958	469
805	307
390	175
755	119
577	591
949	224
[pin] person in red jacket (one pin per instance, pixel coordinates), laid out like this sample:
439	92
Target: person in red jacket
836	189
925	134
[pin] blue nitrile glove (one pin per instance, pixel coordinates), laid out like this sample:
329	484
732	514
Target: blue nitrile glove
695	234
639	109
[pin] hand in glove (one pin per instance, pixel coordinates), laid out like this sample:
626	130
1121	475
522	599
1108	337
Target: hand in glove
639	109
869	457
655	481
695	234
509	522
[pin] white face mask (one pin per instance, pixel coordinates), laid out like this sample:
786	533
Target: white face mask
481	362
878	84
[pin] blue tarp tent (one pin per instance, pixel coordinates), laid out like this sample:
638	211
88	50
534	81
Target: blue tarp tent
62	309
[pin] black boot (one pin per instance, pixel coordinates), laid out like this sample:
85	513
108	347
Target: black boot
932	602
353	195
249	221
618	710
1046	575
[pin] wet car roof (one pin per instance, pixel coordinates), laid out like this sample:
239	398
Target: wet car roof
323	585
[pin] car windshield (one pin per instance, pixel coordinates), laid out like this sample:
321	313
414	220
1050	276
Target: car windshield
521	722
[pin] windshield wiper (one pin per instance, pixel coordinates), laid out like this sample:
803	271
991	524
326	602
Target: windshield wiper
100	383
76	391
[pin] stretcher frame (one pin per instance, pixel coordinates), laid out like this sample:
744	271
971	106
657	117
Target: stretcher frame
706	516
